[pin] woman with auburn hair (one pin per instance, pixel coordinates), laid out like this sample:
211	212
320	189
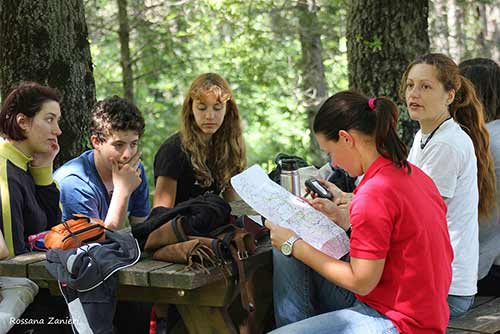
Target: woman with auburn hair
485	75
29	125
29	197
452	147
208	150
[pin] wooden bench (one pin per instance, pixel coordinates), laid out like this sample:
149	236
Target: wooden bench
207	302
483	318
203	300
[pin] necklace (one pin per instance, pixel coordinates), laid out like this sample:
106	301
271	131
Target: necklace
422	144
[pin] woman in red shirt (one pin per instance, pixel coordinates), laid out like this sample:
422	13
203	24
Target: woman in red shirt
398	236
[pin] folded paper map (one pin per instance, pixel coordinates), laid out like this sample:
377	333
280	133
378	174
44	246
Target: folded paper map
285	209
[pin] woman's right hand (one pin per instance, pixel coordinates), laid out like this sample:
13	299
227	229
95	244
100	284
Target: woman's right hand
339	197
339	213
45	159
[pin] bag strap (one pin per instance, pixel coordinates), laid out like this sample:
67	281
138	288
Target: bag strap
74	235
6	213
246	290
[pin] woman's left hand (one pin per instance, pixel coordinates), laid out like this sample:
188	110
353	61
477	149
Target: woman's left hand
45	159
278	234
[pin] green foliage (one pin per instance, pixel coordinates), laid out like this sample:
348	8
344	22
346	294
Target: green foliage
254	44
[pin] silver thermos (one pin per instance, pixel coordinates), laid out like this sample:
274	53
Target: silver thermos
289	178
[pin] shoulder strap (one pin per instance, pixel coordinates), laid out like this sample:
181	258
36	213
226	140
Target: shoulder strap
6	213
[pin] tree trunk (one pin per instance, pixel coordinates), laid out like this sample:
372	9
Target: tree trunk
46	41
493	23
481	17
125	61
382	38
313	74
439	26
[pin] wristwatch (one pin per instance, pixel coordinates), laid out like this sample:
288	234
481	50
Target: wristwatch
287	247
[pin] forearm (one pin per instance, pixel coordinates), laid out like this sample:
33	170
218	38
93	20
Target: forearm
230	195
340	273
136	220
117	210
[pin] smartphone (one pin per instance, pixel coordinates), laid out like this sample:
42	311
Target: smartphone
316	187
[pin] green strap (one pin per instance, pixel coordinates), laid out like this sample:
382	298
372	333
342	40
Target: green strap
6	214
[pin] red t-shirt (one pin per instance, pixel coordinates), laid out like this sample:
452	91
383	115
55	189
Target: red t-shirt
402	218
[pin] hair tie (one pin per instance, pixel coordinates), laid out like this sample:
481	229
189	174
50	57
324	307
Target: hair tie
371	103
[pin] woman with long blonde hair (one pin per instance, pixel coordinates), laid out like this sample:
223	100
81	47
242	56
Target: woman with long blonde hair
207	151
452	147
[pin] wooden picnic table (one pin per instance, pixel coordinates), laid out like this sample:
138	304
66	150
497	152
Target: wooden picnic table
207	302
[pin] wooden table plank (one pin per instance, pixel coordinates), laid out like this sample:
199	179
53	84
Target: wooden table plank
176	276
217	294
18	266
482	319
138	274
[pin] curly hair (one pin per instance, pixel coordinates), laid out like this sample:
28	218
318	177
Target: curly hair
27	98
224	155
115	114
466	110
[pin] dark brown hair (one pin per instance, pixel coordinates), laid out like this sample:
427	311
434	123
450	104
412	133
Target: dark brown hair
350	110
467	111
484	74
115	114
27	98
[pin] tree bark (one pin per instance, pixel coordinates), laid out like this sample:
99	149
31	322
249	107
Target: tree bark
481	17
313	73
46	41
383	37
125	61
439	26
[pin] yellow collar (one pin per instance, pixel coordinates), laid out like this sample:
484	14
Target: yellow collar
11	153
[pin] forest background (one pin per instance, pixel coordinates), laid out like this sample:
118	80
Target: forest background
282	58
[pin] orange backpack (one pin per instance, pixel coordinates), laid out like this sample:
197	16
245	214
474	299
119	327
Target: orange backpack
75	232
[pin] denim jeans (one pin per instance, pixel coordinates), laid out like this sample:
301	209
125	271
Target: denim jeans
305	302
459	305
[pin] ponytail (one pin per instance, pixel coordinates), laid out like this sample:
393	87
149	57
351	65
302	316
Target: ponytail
467	110
387	140
376	117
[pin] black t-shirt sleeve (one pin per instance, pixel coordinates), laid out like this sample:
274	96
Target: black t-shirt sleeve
48	199
170	160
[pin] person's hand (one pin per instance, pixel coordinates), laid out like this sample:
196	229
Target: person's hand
45	159
339	213
126	176
278	234
339	197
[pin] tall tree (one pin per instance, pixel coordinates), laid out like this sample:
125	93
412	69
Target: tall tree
125	61
439	31
46	41
382	38
313	73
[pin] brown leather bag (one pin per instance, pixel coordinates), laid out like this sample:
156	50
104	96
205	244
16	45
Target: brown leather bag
75	232
226	244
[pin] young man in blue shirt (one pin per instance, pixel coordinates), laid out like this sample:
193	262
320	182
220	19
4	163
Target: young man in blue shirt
108	182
